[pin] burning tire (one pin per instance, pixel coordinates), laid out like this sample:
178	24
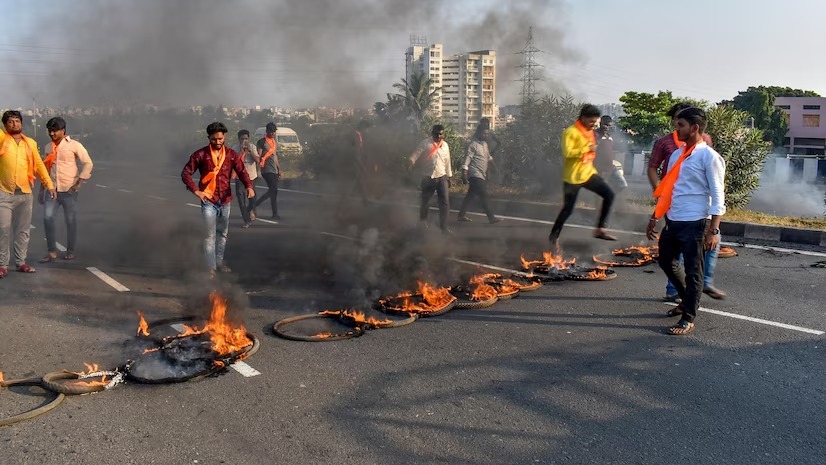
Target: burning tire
35	412
467	304
279	330
355	318
590	274
398	306
527	284
75	384
506	288
726	252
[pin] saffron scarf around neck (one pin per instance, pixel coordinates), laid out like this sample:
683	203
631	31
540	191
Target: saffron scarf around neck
211	178
591	138
270	152
665	189
49	161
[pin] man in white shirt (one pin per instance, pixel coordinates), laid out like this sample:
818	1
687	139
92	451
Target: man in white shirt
475	171
691	196
432	160
69	166
249	155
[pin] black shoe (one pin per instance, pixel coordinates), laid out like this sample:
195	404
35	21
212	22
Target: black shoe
276	217
464	219
496	220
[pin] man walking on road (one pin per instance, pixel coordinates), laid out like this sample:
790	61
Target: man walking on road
69	166
270	170
249	154
657	167
20	163
475	171
691	196
215	163
432	161
579	148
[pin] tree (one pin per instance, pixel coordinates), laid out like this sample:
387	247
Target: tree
645	118
417	95
743	148
759	103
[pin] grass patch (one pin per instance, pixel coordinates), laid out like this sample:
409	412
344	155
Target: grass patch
748	216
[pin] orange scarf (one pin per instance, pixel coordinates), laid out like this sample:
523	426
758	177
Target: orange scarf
665	189
361	139
589	156
270	152
434	149
49	160
211	178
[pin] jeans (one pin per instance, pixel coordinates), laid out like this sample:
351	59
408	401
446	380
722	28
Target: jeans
15	221
708	272
272	193
67	200
245	204
594	184
439	186
216	222
686	238
478	188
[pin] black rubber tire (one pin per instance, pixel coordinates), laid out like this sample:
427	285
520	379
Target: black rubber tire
52	382
462	304
608	259
168	321
411	318
507	295
35	412
438	312
354	332
610	274
527	284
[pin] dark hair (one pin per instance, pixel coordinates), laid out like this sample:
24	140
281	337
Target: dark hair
676	108
243	132
480	129
606	119
437	128
271	127
216	127
694	115
484	122
589	111
12	114
56	124
363	124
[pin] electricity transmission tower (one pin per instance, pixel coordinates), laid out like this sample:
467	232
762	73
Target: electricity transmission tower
529	67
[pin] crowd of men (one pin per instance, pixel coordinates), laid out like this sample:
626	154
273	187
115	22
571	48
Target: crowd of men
685	172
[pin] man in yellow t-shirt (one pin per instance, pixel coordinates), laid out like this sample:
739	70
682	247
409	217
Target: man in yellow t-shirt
20	163
579	149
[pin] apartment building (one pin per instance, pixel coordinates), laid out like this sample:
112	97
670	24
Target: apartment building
807	124
467	82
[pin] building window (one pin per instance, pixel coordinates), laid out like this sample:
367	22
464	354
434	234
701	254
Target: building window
811	121
811	107
816	141
784	107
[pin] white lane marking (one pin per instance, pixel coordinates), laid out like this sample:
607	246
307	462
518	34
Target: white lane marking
193	205
101	185
108	279
241	367
245	370
774	249
32	227
266	221
490	267
580	226
758	320
323	233
155	197
125	191
60	247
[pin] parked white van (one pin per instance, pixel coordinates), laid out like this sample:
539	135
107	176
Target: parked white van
286	140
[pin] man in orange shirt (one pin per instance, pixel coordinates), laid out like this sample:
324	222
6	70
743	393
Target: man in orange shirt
20	163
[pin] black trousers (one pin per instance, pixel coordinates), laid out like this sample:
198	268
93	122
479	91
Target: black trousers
594	184
272	193
478	188
439	186
686	238
245	204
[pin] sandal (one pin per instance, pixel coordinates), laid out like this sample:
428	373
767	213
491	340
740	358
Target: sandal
3	272
224	268
68	256
675	311
48	258
25	269
682	328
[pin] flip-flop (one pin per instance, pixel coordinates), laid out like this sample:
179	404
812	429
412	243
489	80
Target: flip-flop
3	272
47	259
682	328
25	269
69	256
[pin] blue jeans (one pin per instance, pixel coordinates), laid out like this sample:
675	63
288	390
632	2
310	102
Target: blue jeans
708	272
67	200
216	222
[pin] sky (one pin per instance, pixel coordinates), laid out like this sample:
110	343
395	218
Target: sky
350	52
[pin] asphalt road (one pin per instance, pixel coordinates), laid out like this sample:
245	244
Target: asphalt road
577	372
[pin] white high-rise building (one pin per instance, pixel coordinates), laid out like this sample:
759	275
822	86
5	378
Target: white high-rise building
467	81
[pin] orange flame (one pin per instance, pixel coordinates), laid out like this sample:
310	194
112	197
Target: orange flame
527	264
86	383
427	298
548	259
225	338
481	291
143	326
502	285
598	273
323	335
359	317
642	255
90	368
2	378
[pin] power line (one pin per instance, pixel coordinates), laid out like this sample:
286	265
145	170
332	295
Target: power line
528	67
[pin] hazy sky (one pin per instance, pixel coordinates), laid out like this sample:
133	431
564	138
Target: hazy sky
352	51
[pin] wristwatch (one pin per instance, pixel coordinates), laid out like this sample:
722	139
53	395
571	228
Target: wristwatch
714	231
